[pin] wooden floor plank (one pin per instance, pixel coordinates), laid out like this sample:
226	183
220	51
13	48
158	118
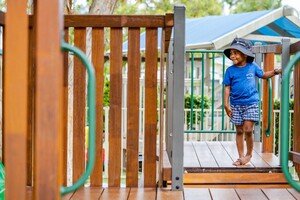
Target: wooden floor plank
271	159
278	194
204	154
294	193
251	194
196	193
115	193
221	194
190	158
220	155
92	193
168	194
142	193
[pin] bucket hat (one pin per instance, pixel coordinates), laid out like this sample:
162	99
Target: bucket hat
241	45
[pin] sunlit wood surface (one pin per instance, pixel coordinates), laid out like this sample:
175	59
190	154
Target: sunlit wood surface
188	194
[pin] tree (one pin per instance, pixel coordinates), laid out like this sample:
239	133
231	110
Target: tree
194	8
240	6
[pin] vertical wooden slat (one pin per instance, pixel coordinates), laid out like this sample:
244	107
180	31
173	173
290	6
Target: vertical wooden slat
79	107
98	62
297	113
31	86
16	99
267	141
161	107
65	108
132	139
49	99
150	108
2	76
114	170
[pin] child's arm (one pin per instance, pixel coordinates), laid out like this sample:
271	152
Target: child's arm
270	74
226	101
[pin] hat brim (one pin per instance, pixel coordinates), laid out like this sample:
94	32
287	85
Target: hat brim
241	49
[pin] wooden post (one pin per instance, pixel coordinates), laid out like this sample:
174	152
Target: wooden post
15	99
267	142
48	27
296	140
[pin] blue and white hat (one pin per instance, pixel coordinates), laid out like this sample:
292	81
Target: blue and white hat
242	45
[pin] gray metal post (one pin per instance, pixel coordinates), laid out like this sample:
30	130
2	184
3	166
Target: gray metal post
169	99
178	98
285	55
258	61
285	58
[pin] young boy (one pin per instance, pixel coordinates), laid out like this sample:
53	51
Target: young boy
239	81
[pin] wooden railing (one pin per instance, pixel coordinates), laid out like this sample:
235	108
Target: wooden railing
116	26
41	94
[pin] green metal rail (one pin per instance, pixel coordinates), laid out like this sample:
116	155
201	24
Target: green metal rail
284	118
191	128
268	129
91	117
203	52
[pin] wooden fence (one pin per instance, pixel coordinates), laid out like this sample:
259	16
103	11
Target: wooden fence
36	94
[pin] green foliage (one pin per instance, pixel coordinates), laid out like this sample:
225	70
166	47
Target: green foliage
276	106
106	86
197	101
239	6
194	8
197	104
200	8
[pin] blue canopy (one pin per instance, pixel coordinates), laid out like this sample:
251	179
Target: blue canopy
217	32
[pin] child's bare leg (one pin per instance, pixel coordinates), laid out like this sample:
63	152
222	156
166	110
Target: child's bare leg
239	143
248	130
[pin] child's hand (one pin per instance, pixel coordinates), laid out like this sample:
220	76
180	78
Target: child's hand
277	71
228	111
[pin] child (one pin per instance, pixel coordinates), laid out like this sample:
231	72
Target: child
239	81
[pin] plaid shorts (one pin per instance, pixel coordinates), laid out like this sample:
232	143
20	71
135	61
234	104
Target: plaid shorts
244	112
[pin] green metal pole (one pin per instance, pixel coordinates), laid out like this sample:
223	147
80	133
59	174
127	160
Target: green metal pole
91	117
223	88
192	92
284	118
213	92
268	129
202	92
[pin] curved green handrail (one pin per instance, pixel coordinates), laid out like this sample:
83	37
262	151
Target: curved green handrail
268	129
284	118
91	117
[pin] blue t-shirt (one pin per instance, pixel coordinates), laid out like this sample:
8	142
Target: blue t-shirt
241	80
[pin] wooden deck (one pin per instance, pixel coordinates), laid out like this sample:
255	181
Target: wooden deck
209	175
91	193
219	156
209	164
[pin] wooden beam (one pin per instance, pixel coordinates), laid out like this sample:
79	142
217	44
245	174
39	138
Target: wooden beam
267	141
296	136
49	99
115	110
115	21
98	62
79	107
150	108
132	138
15	99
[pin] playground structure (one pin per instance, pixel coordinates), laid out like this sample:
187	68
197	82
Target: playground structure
35	131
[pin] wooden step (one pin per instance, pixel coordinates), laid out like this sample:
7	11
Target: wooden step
235	179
